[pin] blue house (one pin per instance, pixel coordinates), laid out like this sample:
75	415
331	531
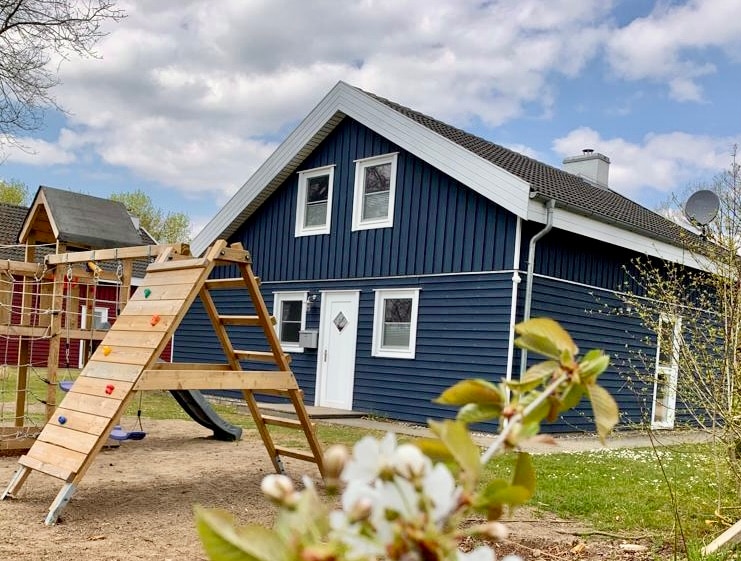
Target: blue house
397	252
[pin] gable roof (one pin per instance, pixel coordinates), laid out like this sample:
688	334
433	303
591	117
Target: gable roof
516	182
81	220
12	218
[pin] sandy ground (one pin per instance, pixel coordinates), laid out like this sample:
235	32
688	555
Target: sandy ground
136	503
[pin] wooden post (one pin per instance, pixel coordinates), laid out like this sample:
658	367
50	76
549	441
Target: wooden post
52	364
21	388
128	268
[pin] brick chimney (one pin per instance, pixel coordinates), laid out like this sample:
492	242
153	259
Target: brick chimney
591	166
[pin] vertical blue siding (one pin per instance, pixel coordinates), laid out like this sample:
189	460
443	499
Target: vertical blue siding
439	225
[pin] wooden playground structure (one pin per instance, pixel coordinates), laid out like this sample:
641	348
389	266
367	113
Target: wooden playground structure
126	360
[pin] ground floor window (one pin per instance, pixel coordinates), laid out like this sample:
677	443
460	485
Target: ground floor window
289	309
395	322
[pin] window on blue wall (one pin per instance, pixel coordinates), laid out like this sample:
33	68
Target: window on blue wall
375	186
289	309
395	323
314	201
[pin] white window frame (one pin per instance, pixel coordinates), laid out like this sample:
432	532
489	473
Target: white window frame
358	198
670	373
303	177
378	320
278	299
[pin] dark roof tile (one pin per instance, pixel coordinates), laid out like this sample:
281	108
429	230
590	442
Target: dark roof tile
566	189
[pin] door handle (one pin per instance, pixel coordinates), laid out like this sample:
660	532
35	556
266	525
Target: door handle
325	355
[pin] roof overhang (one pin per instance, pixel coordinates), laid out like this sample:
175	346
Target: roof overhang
489	180
566	218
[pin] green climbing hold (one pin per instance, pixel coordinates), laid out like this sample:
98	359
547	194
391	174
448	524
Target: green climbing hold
147	292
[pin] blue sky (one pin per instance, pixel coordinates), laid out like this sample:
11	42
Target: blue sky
189	97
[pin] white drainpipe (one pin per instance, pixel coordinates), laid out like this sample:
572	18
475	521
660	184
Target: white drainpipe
549	206
513	309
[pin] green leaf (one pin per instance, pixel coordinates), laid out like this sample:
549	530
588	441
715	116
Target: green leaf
546	337
604	408
435	449
524	473
537	414
571	396
501	492
458	440
593	364
471	391
540	371
224	542
476	413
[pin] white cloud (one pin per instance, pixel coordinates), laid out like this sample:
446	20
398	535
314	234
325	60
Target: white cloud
661	161
195	96
36	152
672	44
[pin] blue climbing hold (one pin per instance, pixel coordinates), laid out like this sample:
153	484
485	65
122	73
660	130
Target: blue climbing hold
62	419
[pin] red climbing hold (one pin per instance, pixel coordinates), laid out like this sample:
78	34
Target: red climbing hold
109	389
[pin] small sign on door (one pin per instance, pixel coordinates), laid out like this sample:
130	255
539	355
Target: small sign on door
340	321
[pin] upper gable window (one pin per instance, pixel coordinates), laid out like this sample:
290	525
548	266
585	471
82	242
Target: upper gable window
314	204
375	184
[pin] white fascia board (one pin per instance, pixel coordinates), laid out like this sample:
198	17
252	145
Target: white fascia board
275	163
615	235
487	179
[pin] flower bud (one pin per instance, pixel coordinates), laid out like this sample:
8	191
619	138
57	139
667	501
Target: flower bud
410	462
494	530
278	488
361	510
335	459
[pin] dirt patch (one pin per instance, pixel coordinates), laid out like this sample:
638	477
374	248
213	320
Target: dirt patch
136	503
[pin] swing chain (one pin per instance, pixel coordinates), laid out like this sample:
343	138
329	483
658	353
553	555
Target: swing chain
70	276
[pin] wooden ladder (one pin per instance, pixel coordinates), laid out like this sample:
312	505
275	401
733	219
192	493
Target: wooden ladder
275	355
127	361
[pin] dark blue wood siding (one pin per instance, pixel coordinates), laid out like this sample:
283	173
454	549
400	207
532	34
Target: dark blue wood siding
439	225
462	332
596	319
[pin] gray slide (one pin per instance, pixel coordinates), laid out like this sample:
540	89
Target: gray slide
200	410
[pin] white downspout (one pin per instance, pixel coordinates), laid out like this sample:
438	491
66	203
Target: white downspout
513	309
549	206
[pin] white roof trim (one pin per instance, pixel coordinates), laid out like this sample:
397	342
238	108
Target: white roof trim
615	235
482	176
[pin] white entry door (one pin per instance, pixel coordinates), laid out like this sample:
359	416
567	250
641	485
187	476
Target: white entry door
338	330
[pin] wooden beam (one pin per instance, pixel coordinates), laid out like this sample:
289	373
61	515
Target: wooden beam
188	366
230	255
226	284
22	268
730	536
178	264
215	380
244	320
135	252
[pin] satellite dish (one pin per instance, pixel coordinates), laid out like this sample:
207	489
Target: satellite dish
702	207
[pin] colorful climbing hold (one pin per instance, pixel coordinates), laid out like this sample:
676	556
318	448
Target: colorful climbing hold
106	350
155	319
109	389
62	419
147	292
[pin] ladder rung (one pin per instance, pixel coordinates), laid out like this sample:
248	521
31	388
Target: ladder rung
283	422
228	284
243	320
293	453
258	355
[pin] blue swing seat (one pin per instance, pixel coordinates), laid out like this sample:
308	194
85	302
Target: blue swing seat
118	433
66	385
